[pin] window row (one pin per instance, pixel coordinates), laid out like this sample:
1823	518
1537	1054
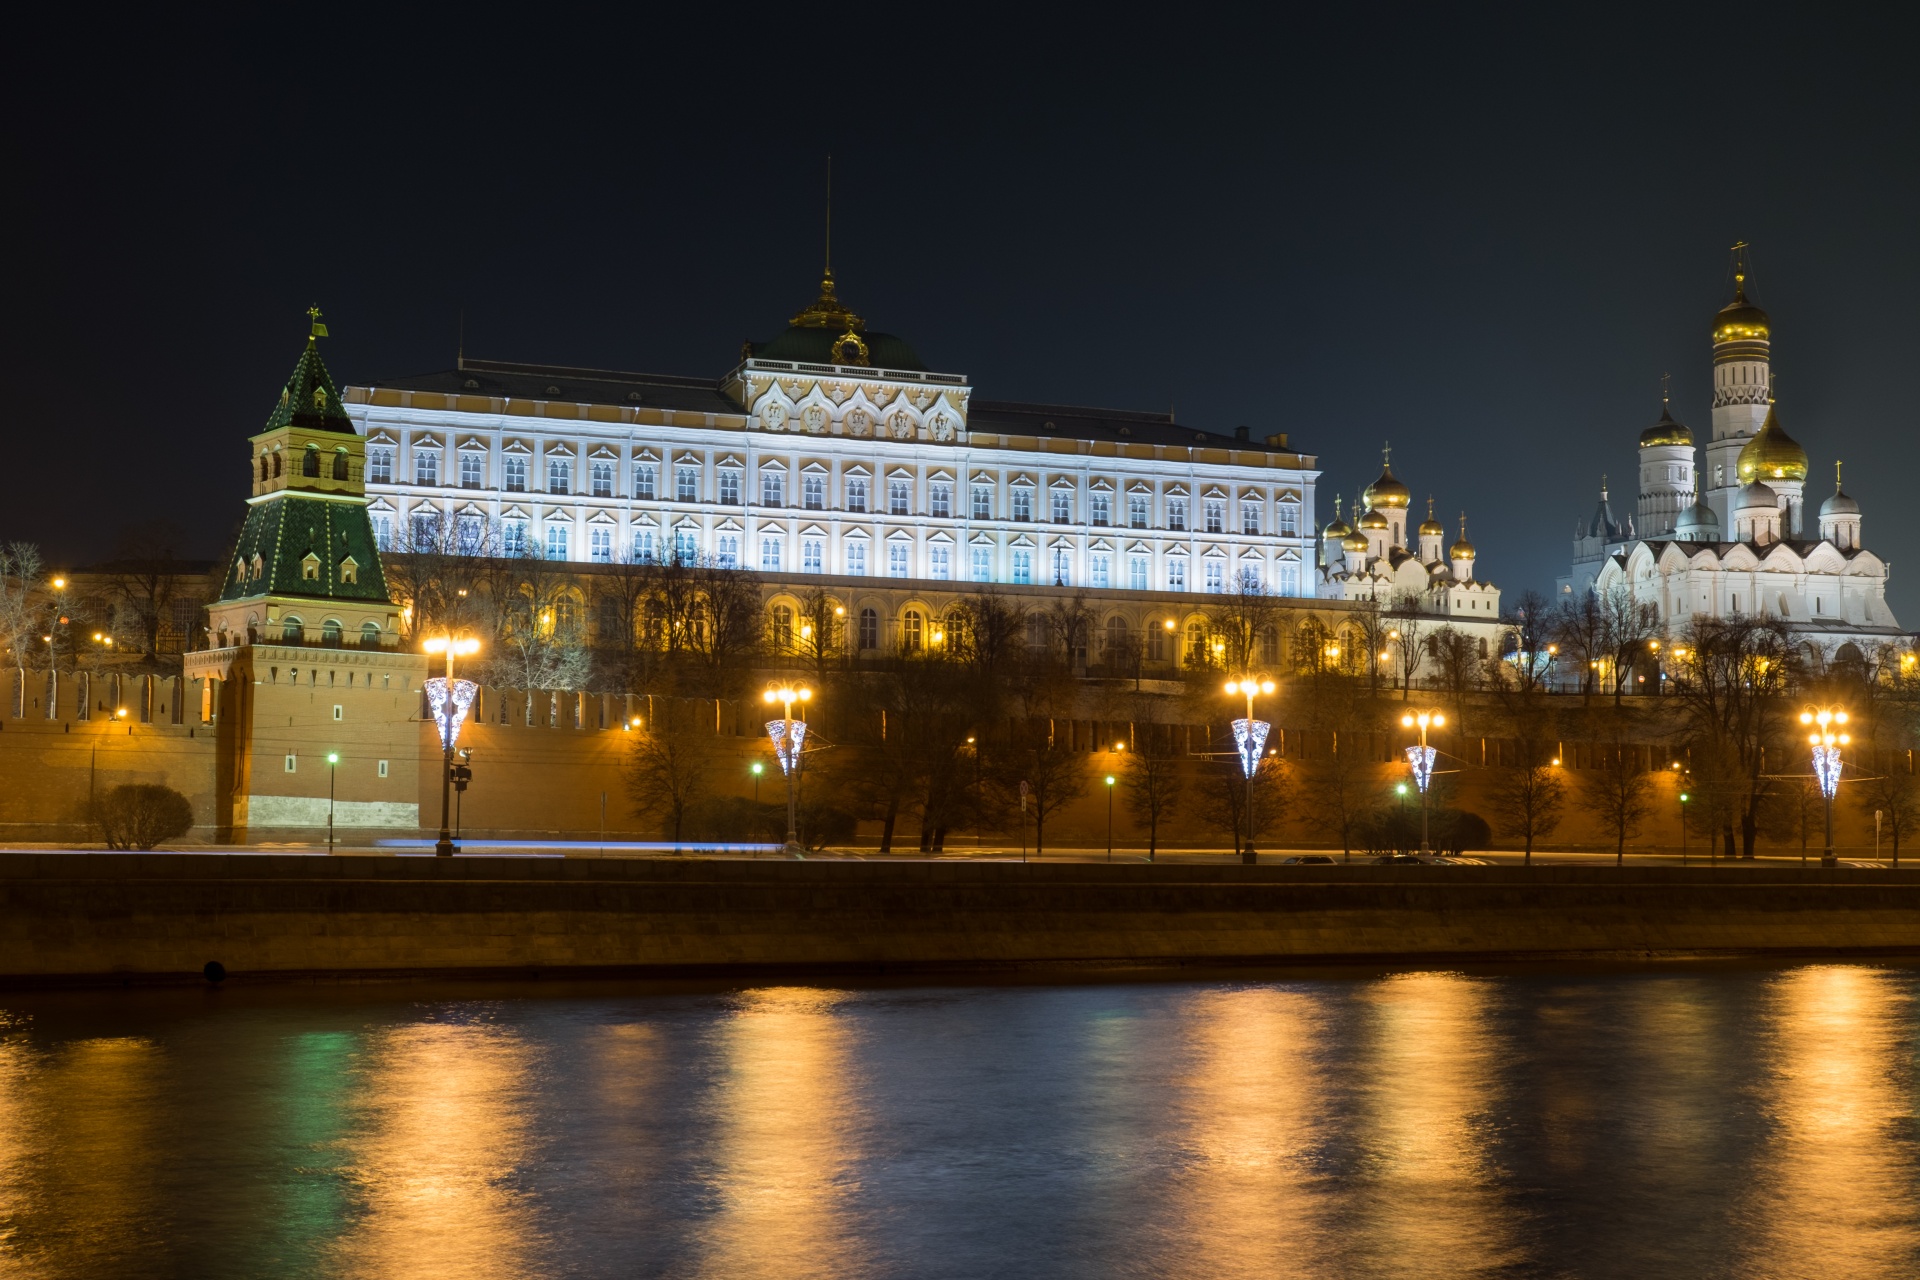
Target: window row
940	500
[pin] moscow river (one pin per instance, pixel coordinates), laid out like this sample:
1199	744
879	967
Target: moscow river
1704	1121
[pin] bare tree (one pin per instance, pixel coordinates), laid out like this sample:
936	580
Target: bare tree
1579	633
1055	774
1529	789
1456	656
1154	782
822	627
20	612
1629	628
1619	794
142	583
1895	794
1406	633
441	567
1244	626
670	765
539	637
1732	685
1221	802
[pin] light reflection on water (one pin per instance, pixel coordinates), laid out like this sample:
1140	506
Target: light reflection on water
1661	1122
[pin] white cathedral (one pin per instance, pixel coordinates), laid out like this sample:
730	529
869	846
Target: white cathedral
1740	544
1372	559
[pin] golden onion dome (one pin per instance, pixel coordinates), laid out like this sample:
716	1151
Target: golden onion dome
1339	528
1666	431
1386	492
1431	528
1354	542
1772	454
1740	320
1373	520
1461	550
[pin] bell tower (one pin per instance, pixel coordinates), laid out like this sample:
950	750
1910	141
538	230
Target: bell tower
1742	389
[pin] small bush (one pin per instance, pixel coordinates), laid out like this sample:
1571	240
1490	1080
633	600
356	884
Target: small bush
141	815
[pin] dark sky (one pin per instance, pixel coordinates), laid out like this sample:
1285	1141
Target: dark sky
1483	236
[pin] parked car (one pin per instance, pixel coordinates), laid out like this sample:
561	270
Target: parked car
1308	860
1398	859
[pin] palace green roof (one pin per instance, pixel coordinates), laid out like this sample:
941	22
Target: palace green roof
310	399
282	532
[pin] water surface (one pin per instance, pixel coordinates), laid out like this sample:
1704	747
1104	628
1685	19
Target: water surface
1687	1122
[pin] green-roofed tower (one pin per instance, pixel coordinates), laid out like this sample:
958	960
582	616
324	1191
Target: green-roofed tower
306	568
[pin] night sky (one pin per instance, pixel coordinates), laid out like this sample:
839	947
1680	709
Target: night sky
1481	236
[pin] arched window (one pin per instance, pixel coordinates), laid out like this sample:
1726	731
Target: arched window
1197	644
263	466
869	629
330	631
276	465
1115	643
310	463
293	630
369	635
340	465
911	627
782	627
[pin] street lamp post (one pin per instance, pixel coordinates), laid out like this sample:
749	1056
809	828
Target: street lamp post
1421	759
1826	762
333	762
1684	797
789	736
758	769
449	699
1250	737
1109	817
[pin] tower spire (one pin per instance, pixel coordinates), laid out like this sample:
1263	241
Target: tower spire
829	215
318	330
1740	268
1666	389
1836	475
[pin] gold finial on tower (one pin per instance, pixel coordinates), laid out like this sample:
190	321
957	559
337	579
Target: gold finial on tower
1739	252
1386	453
829	215
319	330
1603	492
1666	389
1836	475
1429	506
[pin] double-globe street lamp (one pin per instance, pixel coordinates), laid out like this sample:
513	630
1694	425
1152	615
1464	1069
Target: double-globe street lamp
1826	741
1421	760
450	699
1250	739
789	737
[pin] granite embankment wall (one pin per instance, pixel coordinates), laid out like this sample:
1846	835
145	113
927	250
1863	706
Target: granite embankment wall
104	917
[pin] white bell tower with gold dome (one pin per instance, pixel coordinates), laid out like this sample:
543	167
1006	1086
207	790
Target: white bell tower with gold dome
1742	389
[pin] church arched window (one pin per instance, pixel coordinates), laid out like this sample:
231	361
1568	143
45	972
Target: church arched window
310	464
340	464
276	465
263	466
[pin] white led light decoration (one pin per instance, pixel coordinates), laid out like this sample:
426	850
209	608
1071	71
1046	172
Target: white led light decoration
450	720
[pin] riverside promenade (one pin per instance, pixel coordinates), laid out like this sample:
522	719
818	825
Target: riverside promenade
94	918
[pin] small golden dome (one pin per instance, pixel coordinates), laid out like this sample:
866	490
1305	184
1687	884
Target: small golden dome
1740	320
1772	454
1431	528
1354	542
1386	492
1373	519
1461	550
1339	528
1666	431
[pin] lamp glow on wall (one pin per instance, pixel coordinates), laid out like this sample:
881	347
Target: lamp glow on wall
1250	740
